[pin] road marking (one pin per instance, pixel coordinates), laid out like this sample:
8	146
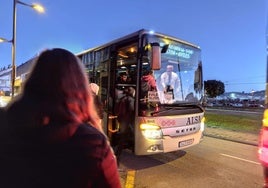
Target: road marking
130	179
241	159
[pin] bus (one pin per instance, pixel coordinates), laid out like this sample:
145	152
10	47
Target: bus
162	120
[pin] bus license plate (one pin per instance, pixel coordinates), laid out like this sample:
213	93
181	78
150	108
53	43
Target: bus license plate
186	142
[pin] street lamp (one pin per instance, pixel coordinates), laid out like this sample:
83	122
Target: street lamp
38	8
4	40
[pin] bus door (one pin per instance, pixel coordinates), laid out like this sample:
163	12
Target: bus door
123	74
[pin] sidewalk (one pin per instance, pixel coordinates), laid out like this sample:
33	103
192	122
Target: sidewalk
241	137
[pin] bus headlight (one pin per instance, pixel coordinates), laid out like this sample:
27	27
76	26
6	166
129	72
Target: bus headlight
151	131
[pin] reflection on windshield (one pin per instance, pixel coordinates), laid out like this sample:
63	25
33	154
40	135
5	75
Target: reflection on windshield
171	84
178	81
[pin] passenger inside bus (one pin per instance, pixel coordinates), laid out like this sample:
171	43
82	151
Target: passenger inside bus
125	116
149	81
123	78
122	84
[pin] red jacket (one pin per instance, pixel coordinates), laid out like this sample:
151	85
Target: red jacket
151	81
84	160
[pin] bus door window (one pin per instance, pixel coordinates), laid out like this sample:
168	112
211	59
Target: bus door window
125	89
126	61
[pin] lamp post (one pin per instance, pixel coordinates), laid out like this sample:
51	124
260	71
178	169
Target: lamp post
38	8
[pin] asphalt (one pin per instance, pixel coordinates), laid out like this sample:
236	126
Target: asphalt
127	178
235	136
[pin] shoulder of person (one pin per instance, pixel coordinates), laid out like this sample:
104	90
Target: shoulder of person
86	130
91	140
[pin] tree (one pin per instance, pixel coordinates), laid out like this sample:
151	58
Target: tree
214	88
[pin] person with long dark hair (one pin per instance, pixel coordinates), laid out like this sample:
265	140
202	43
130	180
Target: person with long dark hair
54	134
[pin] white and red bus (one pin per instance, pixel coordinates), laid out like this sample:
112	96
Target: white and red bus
163	120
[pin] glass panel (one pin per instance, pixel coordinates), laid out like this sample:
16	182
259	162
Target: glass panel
101	74
126	71
179	79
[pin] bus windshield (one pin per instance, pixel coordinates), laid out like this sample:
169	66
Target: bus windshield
179	80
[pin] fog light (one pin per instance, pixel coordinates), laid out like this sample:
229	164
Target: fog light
154	148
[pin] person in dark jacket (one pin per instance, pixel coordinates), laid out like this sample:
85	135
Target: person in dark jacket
125	111
54	133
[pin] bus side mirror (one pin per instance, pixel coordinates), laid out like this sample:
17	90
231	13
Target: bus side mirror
156	56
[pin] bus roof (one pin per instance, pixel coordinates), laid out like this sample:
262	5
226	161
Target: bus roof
138	33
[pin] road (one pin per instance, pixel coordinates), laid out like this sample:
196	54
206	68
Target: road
213	163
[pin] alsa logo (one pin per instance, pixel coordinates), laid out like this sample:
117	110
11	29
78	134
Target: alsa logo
193	120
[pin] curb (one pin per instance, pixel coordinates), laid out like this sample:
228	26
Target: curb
232	139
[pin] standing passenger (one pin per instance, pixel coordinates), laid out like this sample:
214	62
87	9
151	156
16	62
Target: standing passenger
55	136
125	112
150	80
97	101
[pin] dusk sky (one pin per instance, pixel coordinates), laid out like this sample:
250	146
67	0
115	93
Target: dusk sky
231	33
